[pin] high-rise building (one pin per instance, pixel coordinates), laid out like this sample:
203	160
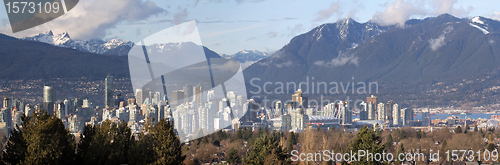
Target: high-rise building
118	99
210	95
176	98
371	111
298	119
28	110
380	112
141	95
49	98
407	116
396	115
278	108
188	93
426	118
232	98
78	103
87	103
297	97
345	113
198	96
388	111
251	112
67	106
6	102
108	92
363	112
372	99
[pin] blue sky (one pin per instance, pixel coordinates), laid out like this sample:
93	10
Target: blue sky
227	26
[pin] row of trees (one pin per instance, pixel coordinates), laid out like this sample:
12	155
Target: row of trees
43	139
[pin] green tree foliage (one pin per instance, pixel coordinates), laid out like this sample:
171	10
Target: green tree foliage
458	129
402	134
467	128
166	146
15	149
476	129
233	157
109	145
367	140
401	150
42	139
85	140
266	150
490	147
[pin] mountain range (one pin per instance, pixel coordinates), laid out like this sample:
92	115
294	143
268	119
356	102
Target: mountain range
247	57
425	55
440	60
119	47
98	46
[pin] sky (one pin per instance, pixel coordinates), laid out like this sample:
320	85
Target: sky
228	26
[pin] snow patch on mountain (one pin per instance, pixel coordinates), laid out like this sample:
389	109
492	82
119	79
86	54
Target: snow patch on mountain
97	46
480	28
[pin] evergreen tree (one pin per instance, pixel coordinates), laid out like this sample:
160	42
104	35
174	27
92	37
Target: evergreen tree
233	157
42	139
458	129
402	134
84	143
490	147
467	128
418	134
401	150
367	140
476	129
166	145
15	149
266	150
110	144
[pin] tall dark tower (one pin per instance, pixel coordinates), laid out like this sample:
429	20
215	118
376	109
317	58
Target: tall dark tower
108	92
49	98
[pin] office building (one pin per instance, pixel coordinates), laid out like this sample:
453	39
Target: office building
407	116
372	99
108	92
188	93
388	111
49	98
396	115
371	111
345	113
380	112
363	112
176	98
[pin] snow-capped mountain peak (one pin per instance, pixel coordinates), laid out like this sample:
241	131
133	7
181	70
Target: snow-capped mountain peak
478	23
114	46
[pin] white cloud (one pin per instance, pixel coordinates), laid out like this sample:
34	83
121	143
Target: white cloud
341	60
92	18
286	64
495	15
439	42
296	29
327	13
446	6
180	17
398	12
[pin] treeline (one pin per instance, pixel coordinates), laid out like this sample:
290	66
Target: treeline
43	139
